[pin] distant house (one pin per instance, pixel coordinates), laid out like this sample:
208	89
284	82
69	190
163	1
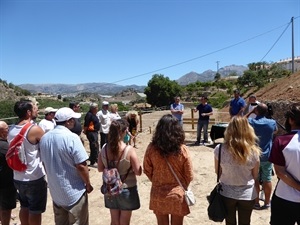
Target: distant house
287	63
142	95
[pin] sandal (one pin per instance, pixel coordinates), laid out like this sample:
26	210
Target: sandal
266	206
256	206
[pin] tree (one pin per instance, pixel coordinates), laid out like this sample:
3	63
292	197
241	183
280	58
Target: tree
161	90
217	76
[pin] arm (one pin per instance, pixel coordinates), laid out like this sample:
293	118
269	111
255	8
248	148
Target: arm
286	177
84	174
135	164
101	166
255	170
35	134
147	164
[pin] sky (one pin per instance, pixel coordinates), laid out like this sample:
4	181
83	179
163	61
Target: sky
128	41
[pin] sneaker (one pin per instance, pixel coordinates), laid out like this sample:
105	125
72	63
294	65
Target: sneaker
256	206
266	206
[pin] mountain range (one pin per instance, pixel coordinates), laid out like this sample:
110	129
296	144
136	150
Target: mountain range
111	89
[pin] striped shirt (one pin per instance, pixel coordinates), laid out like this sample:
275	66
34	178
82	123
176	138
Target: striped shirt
61	150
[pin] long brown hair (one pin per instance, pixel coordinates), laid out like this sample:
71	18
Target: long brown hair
115	135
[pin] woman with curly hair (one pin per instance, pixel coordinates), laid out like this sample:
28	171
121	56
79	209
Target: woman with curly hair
167	196
239	169
129	167
132	118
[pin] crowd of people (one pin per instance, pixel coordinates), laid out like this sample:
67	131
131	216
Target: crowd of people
58	161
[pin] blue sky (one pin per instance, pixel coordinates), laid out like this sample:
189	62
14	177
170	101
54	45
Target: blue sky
128	41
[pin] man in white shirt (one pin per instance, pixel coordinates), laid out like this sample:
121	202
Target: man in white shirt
104	119
252	103
48	123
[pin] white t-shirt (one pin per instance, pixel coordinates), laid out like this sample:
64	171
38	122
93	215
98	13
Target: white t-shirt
47	125
104	119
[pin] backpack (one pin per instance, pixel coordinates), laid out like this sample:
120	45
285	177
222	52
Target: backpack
16	156
112	181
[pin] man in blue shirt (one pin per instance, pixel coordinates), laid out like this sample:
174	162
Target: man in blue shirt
264	129
177	110
237	104
205	110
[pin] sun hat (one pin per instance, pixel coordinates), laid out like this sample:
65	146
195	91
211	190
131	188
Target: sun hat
105	103
49	110
64	114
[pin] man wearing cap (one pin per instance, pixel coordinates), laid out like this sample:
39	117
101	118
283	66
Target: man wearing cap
104	119
64	157
48	123
77	127
30	184
91	128
237	104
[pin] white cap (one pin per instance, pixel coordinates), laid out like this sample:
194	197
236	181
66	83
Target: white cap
65	113
105	103
49	110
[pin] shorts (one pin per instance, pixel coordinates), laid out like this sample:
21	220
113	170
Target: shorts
265	171
127	200
33	194
8	198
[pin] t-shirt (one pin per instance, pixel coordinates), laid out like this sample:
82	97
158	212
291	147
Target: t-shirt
204	109
179	106
286	152
264	129
236	178
6	173
236	105
47	125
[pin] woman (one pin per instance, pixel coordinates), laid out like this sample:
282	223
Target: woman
167	196
132	118
121	205
239	169
114	115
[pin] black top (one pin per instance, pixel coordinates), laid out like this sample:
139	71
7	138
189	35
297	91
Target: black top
6	173
77	126
92	123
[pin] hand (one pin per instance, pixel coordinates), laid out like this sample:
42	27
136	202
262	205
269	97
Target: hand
89	188
203	114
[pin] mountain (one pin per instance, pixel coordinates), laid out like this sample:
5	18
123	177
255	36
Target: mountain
209	75
73	89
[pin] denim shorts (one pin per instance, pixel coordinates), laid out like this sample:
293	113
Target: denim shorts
127	200
8	198
265	171
32	194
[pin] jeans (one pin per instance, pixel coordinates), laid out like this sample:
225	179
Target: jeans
94	146
202	124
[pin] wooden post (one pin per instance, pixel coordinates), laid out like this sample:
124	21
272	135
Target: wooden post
141	126
192	114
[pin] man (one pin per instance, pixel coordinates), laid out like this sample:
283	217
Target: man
48	122
285	156
205	110
104	119
91	128
8	192
64	158
177	110
237	104
252	103
264	129
77	129
30	184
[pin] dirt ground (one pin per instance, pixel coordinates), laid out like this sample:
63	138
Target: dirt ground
204	181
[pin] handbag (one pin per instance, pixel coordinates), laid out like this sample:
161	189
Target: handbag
216	208
188	193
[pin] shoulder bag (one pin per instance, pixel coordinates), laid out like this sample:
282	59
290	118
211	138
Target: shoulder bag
216	208
188	194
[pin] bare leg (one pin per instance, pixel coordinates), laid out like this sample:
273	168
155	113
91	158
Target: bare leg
114	216
35	219
125	217
176	220
162	219
24	216
257	187
5	216
267	190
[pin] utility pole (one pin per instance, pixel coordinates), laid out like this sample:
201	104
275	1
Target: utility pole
293	61
217	66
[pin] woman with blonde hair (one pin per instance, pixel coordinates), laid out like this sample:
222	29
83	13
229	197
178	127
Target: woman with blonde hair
114	115
132	118
239	168
116	154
